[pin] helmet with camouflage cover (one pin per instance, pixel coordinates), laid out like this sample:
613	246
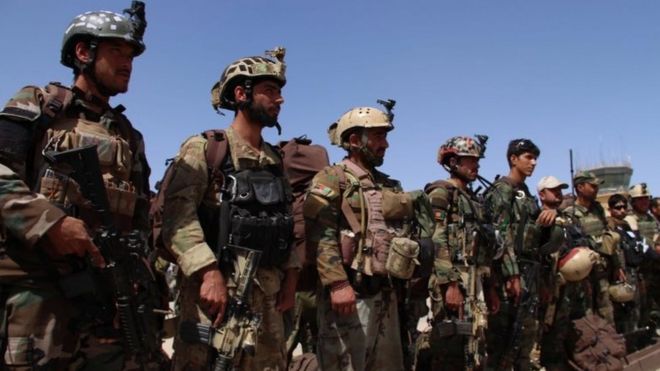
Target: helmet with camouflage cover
358	117
247	69
92	26
639	190
577	263
459	146
622	292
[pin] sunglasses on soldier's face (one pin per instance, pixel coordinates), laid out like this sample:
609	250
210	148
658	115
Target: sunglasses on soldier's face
619	207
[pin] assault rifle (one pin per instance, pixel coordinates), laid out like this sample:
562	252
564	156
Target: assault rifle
475	310
125	286
238	331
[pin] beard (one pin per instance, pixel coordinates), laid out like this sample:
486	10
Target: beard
371	158
258	113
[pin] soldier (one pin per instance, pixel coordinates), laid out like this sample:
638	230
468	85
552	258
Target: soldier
248	197
41	328
516	218
631	254
587	212
642	222
655	209
463	247
359	218
565	269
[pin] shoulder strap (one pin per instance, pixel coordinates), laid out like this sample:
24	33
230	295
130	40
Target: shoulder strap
216	152
56	99
346	209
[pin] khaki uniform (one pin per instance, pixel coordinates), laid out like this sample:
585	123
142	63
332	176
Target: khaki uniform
460	233
593	223
369	339
42	328
182	231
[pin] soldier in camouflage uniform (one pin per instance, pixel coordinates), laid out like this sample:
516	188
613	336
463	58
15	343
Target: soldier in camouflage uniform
359	217
643	223
590	216
252	88
463	248
516	217
41	328
565	268
631	255
655	209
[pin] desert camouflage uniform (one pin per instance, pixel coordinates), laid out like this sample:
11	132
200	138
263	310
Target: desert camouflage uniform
370	338
42	327
593	223
182	232
508	205
460	221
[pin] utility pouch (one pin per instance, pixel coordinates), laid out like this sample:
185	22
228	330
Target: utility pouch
402	259
348	246
397	205
448	328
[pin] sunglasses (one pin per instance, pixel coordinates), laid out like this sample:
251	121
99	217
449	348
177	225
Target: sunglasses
620	207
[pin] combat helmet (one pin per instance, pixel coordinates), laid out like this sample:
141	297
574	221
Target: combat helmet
622	292
103	24
639	190
459	146
577	263
359	117
246	71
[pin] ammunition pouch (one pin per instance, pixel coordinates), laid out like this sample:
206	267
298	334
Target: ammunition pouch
452	327
259	218
397	206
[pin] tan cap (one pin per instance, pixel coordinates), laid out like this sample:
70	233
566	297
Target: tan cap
586	177
639	190
550	182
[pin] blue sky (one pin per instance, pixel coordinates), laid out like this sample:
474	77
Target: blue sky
567	74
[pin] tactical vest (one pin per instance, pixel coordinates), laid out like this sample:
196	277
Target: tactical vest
381	228
648	228
522	230
592	223
111	135
466	225
254	210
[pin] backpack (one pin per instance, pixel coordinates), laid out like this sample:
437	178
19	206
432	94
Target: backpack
216	153
596	344
302	161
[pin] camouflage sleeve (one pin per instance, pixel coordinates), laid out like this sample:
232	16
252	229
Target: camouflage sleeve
499	201
443	267
140	176
182	232
26	215
322	210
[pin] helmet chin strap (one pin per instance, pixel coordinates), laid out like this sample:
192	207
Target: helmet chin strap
87	68
247	105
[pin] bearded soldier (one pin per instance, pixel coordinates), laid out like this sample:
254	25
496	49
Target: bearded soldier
361	221
590	216
568	262
218	218
464	249
44	216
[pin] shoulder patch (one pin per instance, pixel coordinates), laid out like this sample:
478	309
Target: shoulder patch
24	105
323	191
